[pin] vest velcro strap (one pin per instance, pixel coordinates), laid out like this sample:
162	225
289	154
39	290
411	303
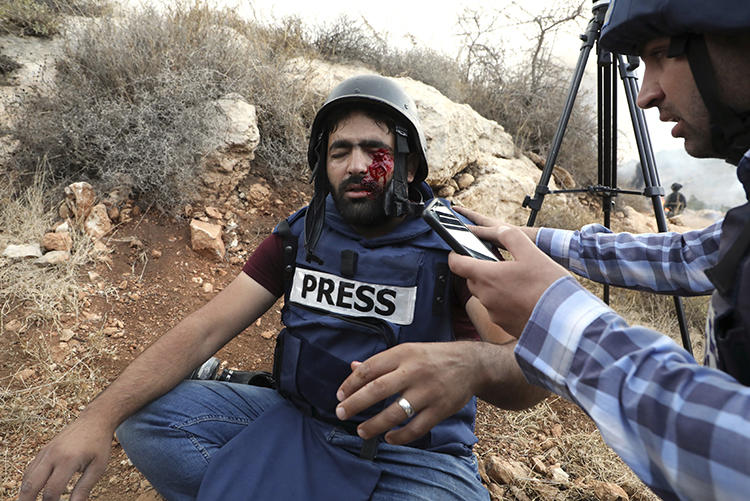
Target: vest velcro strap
348	263
369	449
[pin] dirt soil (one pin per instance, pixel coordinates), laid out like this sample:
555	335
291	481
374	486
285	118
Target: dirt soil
155	279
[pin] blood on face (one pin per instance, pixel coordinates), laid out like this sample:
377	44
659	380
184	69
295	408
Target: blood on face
378	172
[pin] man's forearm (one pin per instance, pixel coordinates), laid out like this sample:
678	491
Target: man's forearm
501	382
157	370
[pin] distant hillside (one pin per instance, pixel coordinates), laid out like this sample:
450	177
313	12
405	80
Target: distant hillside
711	181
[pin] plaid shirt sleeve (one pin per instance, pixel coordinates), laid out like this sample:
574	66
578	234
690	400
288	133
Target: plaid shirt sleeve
668	263
684	429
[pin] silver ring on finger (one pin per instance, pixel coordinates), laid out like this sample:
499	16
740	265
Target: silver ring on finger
406	406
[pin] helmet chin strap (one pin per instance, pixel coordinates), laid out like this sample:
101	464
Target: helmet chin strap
397	203
316	211
730	130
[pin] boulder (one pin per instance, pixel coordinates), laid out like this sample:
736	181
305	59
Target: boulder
228	157
206	237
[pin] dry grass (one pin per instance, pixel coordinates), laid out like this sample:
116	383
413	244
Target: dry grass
46	385
42	293
557	433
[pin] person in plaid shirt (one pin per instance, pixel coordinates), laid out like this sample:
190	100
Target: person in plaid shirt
682	427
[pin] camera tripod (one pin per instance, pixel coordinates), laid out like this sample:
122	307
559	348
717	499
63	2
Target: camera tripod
608	65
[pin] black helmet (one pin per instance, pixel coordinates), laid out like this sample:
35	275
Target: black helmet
381	94
371	91
676	186
629	24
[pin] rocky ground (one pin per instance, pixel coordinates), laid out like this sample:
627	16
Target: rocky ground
153	277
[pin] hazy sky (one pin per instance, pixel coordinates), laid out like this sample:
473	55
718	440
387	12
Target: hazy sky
434	24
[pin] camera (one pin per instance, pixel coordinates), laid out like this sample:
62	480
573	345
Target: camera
210	371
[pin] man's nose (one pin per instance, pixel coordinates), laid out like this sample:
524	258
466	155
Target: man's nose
651	93
360	161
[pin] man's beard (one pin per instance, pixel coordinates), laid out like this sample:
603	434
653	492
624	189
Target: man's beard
362	211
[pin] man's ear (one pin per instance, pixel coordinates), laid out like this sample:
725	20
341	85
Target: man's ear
412	163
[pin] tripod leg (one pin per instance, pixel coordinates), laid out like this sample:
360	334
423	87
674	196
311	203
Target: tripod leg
650	176
589	38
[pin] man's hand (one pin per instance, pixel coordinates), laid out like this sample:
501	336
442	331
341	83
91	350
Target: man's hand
508	289
82	446
437	379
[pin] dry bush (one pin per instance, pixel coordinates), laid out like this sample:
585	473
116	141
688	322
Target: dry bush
43	18
29	17
133	99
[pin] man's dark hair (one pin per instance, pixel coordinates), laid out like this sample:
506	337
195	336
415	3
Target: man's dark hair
380	117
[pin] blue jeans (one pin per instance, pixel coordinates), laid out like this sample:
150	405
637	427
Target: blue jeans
171	441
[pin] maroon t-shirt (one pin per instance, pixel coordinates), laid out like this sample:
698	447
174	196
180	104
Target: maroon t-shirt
266	266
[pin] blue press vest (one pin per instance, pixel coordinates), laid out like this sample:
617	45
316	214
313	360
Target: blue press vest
366	296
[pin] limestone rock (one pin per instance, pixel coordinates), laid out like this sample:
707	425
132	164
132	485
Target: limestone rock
258	193
464	180
21	251
607	491
79	198
505	471
97	223
57	241
556	473
500	188
53	257
228	157
446	192
206	237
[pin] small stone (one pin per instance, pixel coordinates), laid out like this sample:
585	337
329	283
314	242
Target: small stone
556	430
94	276
57	241
208	287
67	334
505	471
213	212
25	374
268	334
62	227
464	180
556	473
13	326
538	465
607	491
136	243
53	258
22	251
446	191
155	253
197	280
